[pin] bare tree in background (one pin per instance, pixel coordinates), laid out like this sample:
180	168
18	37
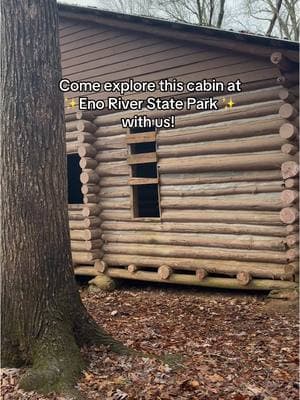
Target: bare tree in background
140	7
202	12
276	17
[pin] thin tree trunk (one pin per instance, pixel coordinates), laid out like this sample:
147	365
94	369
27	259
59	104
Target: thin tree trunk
43	320
221	13
274	17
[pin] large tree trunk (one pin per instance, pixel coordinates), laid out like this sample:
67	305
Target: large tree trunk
43	320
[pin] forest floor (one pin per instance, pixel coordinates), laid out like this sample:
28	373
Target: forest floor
228	346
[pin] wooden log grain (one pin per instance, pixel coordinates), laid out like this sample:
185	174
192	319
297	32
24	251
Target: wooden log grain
71	126
282	62
289	148
90	189
239	112
291	183
74	207
260	202
208	216
243	277
231	268
79	245
254	242
289	169
291	228
184	279
75	215
88	163
80	257
112	192
164	272
142	158
292	240
289	215
85	234
87	150
288	131
100	266
110	143
243	145
112	181
201	274
220	131
113	169
71	136
147	137
69	117
289	197
91	198
223	163
292	254
88	177
85	137
86	115
221	189
110	130
121	203
196	227
288	111
286	95
85	271
89	210
219	177
91	222
72	147
217	253
132	268
112	155
85	126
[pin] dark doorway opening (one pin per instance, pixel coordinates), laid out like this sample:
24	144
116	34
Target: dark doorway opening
74	185
146	203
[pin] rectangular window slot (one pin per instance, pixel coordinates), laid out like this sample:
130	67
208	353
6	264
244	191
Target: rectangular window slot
145	200
74	185
144	170
143	180
138	148
140	130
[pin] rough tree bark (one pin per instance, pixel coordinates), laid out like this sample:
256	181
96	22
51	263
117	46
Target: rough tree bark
44	322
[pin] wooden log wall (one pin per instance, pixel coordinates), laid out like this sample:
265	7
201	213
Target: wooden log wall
228	178
289	132
222	195
84	221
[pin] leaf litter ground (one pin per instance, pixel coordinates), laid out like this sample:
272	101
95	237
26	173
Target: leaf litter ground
228	346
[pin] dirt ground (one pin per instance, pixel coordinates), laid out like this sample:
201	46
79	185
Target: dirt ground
226	346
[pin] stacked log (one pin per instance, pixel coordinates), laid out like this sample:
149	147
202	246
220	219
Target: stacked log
289	132
84	221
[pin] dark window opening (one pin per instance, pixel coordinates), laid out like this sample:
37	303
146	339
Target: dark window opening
74	185
146	201
144	170
138	148
142	130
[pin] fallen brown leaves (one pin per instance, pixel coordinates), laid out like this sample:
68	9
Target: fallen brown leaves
228	346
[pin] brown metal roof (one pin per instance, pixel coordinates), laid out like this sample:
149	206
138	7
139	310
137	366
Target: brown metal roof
85	13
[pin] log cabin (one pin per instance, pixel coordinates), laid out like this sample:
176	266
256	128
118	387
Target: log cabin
211	201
